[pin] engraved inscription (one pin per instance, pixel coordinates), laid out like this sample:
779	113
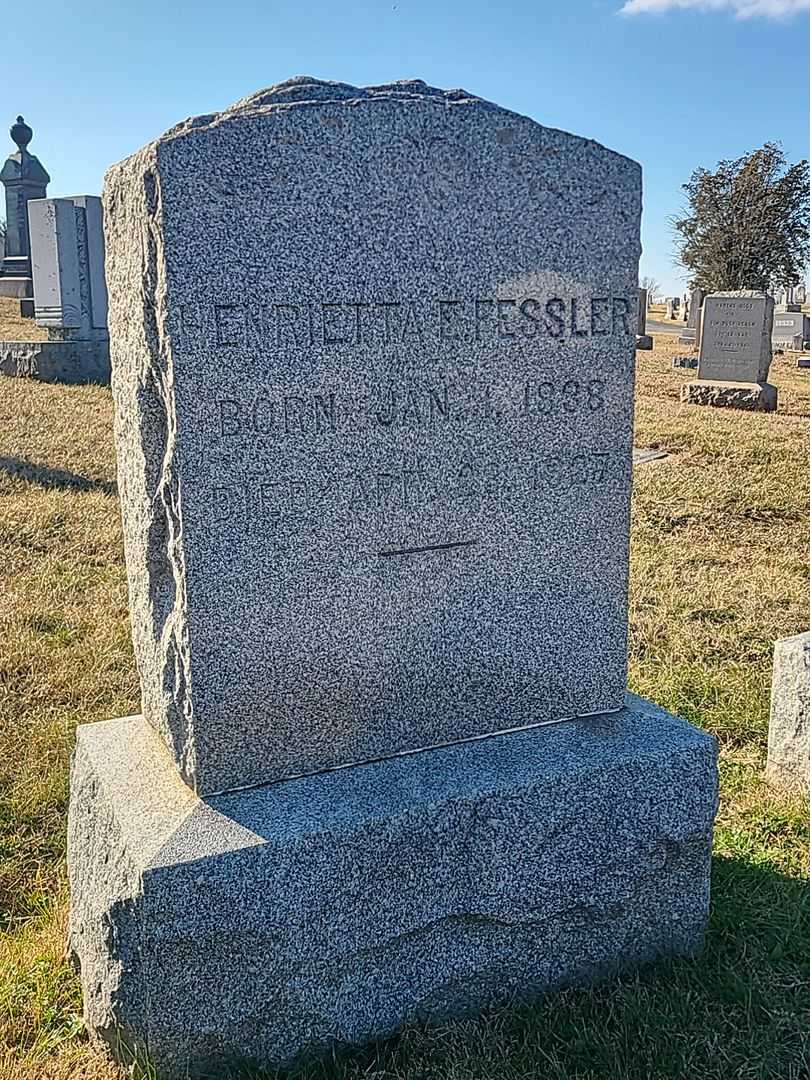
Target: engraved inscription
278	324
308	414
411	484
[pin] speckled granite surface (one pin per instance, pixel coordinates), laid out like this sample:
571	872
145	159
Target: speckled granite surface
336	908
373	365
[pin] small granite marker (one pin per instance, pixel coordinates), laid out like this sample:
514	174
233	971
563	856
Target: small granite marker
374	445
789	729
735	353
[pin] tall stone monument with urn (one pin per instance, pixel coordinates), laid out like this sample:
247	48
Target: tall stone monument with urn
23	179
373	355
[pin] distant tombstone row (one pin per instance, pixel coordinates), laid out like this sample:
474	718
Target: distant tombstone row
58	259
790	298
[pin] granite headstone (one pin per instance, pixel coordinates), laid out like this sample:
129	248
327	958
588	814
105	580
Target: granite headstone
691	332
373	376
735	353
791	330
70	294
398	419
735	344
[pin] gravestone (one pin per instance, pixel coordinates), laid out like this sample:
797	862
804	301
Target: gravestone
735	353
643	339
70	295
791	330
670	313
789	728
23	178
691	332
788	300
375	453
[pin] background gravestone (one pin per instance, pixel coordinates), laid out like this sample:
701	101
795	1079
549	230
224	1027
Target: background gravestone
691	332
23	178
70	294
791	330
735	352
643	339
374	445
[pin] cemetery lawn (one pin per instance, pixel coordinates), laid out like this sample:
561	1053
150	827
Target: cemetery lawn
13	328
720	568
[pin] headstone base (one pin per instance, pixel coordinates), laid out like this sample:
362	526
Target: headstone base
687	362
18	287
644	341
789	728
757	397
276	922
57	361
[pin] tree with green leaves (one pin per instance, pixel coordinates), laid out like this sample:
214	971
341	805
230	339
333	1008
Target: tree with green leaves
747	224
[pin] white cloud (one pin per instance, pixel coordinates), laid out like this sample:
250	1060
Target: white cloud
742	9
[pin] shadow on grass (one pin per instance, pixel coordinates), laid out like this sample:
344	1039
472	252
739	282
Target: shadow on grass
54	478
739	1009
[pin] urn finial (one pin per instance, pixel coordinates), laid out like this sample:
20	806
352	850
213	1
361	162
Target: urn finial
21	134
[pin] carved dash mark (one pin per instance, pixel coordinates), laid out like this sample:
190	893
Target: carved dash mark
429	547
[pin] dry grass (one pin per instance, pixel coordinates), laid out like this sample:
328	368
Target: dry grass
720	567
14	328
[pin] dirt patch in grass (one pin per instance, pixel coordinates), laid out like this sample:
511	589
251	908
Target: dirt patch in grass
720	568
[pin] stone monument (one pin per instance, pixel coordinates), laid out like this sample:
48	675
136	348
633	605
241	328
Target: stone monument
643	339
735	353
691	332
789	729
70	295
791	331
375	450
23	178
788	300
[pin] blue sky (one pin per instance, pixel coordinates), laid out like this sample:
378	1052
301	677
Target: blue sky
672	83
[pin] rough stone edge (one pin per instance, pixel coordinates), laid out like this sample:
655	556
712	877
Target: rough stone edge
304	91
752	397
145	435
